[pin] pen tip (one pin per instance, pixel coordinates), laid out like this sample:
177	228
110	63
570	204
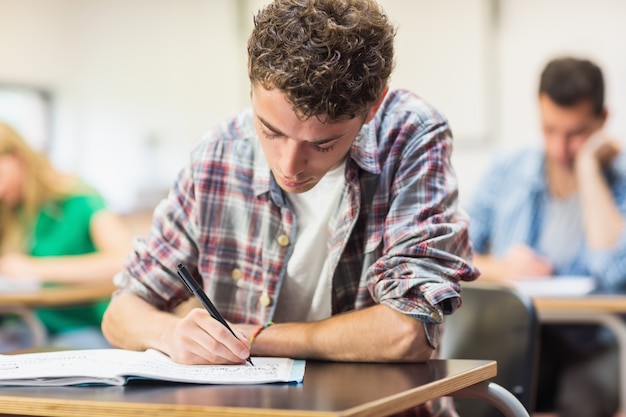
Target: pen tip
250	361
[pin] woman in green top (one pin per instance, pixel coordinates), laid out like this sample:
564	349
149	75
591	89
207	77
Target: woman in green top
56	229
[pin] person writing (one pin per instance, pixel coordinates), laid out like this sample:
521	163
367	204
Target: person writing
560	210
329	208
54	228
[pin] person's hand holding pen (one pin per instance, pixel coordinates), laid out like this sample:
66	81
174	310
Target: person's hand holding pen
203	336
197	338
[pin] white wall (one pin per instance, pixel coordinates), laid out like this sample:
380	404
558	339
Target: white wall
136	82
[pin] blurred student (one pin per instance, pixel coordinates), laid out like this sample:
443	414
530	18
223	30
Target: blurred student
560	210
54	228
328	208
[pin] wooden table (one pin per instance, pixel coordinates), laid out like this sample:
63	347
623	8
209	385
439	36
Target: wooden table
329	389
57	296
22	302
604	310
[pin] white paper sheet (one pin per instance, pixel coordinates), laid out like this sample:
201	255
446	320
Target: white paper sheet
562	286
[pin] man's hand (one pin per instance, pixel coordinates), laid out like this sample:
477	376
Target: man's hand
198	338
599	150
522	262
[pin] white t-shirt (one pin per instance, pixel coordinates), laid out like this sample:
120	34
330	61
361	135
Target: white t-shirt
306	292
562	233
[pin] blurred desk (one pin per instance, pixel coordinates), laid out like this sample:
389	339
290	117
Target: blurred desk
329	389
21	302
605	310
57	296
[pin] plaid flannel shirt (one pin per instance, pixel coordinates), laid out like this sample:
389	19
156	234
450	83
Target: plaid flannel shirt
397	237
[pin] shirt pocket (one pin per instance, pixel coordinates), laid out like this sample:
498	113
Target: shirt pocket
235	287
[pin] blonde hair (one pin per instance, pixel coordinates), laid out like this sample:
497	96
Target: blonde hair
42	183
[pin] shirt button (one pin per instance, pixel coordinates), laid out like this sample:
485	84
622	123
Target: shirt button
236	274
265	300
283	240
436	316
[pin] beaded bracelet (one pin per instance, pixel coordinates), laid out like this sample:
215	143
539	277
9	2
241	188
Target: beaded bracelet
258	332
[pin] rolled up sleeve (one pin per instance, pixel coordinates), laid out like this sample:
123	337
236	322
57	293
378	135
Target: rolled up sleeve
426	248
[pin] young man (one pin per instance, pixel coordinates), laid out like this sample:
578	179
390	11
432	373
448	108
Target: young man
560	211
329	208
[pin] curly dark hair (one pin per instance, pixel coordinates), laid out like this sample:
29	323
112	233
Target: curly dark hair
331	58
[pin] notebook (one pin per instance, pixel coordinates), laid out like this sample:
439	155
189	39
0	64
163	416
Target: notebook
119	366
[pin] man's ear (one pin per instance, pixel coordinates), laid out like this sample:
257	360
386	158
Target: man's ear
604	116
372	111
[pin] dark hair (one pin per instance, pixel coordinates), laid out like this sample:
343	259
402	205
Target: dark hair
331	58
569	80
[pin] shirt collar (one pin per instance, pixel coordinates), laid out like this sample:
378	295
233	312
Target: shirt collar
262	172
364	150
534	174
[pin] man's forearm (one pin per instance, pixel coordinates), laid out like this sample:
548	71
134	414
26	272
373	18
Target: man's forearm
603	223
373	334
132	323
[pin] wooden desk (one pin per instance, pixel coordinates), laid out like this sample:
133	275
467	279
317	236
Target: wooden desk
23	302
604	310
57	296
329	389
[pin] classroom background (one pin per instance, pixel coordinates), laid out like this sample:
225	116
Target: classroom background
119	91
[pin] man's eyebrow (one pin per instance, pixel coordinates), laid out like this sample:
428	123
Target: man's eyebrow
314	142
269	126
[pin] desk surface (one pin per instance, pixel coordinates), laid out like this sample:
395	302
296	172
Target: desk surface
57	296
329	389
604	303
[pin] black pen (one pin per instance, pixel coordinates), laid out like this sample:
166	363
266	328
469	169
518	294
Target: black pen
196	290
